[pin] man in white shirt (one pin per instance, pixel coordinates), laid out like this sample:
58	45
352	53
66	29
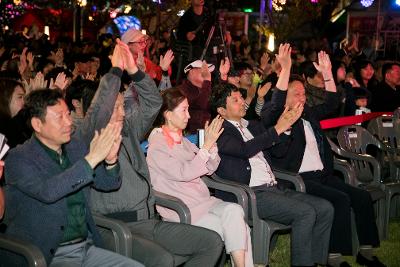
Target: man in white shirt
310	156
244	148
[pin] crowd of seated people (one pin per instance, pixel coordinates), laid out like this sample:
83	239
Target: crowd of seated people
75	117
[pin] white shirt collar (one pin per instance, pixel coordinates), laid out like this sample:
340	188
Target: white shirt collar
242	123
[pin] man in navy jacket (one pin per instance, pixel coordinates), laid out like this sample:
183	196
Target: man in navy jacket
244	148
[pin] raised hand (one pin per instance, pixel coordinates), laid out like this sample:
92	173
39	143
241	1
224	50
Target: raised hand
140	62
212	132
61	81
75	72
30	57
264	61
22	62
117	60
264	90
102	143
37	83
284	56
224	68
129	62
165	61
324	65
59	57
288	117
205	72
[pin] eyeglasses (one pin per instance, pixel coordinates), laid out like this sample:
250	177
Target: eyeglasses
143	42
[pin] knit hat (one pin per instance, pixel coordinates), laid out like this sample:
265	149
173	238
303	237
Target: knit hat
132	35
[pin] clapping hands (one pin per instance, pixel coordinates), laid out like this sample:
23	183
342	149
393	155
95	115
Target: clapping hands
165	61
288	118
123	59
104	145
212	132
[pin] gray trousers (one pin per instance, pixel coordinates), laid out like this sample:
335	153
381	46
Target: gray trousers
310	218
87	255
168	244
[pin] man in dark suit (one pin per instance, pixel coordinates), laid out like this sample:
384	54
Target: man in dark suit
310	156
244	148
386	96
48	177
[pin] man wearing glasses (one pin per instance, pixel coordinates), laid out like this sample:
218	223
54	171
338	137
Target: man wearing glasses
137	42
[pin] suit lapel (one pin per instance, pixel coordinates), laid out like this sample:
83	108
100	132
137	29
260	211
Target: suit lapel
229	127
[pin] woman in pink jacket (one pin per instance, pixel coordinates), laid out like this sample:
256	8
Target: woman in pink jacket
176	166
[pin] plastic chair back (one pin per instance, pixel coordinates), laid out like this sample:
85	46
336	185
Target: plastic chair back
356	139
384	129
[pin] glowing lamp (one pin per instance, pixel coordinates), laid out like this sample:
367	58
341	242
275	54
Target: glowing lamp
271	42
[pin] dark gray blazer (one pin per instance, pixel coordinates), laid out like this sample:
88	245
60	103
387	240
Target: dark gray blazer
135	196
36	186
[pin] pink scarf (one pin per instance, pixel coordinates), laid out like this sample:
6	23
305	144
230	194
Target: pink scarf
172	138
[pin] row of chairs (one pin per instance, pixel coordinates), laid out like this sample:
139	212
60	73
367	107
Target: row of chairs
374	156
356	167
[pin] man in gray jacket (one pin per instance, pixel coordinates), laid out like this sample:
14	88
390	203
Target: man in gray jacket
156	243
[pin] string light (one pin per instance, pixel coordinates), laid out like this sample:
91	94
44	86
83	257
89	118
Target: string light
278	4
128	9
82	3
366	3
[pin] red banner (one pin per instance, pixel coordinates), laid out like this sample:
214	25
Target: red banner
350	120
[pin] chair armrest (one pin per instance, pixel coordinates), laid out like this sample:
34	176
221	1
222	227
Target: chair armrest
251	198
216	182
294	178
173	203
122	233
31	253
347	170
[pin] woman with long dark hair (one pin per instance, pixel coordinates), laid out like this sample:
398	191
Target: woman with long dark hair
12	122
